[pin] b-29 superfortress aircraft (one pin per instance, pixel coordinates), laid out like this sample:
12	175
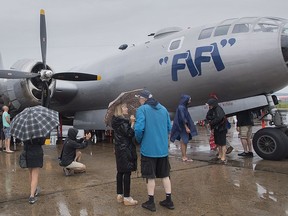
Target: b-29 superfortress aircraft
243	61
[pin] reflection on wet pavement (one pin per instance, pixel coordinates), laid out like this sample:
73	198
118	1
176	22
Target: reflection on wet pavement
245	186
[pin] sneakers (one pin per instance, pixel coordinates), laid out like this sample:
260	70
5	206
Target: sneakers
243	154
120	198
37	191
246	154
32	200
149	205
67	171
250	154
229	150
129	201
167	204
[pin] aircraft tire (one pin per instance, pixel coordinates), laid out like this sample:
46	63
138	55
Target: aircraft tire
285	131
270	144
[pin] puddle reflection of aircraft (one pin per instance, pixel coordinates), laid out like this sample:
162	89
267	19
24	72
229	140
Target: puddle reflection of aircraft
242	60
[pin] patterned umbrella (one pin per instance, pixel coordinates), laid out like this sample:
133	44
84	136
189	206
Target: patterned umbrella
125	97
34	122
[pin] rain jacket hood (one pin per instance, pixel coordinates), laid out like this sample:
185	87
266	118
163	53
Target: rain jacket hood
184	100
72	133
153	103
212	102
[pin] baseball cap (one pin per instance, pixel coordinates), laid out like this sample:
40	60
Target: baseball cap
144	94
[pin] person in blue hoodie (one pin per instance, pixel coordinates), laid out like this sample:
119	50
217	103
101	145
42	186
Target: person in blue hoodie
183	128
152	128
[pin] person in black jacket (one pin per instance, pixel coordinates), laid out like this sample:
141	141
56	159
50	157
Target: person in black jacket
125	153
68	158
217	120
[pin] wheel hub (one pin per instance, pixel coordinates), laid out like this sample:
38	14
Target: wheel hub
267	144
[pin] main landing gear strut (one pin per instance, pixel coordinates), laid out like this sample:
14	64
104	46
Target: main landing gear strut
271	143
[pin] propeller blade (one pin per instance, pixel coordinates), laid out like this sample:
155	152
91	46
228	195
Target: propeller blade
45	99
12	74
76	76
43	37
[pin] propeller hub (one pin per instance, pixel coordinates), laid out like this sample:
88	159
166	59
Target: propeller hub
46	75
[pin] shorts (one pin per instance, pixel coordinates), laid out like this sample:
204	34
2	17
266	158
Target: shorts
6	131
245	132
75	165
220	137
152	168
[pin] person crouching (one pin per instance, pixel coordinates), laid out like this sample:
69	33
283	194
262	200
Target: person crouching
69	158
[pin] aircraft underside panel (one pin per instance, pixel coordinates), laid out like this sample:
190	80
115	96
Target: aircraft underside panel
90	120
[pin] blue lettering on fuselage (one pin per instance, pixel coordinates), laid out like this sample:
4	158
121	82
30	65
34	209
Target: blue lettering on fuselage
203	54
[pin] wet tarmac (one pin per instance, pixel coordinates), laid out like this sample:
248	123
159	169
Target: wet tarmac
244	186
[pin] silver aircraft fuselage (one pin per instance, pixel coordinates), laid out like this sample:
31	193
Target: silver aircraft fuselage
233	65
234	59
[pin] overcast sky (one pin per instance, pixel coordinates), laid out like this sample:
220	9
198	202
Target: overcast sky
81	31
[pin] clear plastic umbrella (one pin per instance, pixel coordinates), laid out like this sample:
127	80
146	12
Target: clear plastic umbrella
125	97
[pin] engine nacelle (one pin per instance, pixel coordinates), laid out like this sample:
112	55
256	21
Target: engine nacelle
22	93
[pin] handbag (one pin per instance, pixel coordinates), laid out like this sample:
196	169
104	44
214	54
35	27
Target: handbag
22	160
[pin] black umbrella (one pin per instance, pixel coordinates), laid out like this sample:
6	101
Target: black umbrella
34	122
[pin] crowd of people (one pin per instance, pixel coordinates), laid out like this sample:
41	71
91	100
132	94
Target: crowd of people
151	128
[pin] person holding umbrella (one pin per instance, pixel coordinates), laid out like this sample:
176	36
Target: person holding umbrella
125	152
32	125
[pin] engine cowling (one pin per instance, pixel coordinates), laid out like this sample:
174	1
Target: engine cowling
21	93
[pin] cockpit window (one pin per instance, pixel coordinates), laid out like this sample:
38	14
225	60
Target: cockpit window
265	27
221	30
206	33
241	28
175	44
